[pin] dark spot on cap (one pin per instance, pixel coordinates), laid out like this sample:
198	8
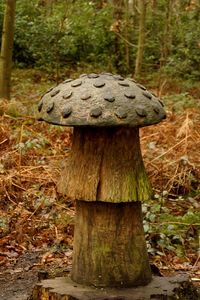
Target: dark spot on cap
93	75
129	94
96	112
123	83
40	105
54	92
67	95
99	83
85	96
147	95
76	83
141	86
131	79
121	113
153	94
164	116
156	109
109	97
68	80
141	112
118	77
66	112
83	75
50	107
161	103
50	90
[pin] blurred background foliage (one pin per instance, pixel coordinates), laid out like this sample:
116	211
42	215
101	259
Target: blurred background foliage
61	34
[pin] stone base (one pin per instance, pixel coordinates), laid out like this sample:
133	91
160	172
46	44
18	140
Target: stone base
163	288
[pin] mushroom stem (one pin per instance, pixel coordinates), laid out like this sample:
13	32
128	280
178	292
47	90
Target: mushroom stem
109	245
105	164
105	174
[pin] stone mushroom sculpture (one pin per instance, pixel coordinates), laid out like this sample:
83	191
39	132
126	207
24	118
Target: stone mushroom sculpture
105	174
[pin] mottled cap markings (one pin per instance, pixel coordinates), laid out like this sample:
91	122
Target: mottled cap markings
76	83
129	94
131	79
121	113
109	97
85	96
141	86
82	75
67	95
49	90
161	103
153	94
50	107
156	109
93	75
40	104
100	100
123	83
66	112
99	83
147	94
96	112
67	80
141	112
118	77
54	92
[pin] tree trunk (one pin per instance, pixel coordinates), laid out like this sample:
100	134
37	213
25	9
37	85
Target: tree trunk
127	26
6	49
141	38
167	36
118	17
105	164
160	288
154	6
109	245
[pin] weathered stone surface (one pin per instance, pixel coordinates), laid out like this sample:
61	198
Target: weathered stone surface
110	93
161	288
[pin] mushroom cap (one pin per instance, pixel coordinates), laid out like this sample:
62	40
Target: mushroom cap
100	100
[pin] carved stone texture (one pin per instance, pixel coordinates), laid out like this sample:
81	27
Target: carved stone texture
110	93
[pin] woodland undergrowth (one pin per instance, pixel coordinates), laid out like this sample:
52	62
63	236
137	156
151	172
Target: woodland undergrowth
35	217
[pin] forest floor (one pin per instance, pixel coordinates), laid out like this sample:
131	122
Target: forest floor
36	222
